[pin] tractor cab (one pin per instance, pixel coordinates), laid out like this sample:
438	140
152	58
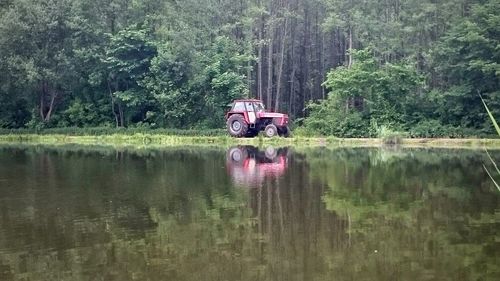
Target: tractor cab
247	105
249	108
243	106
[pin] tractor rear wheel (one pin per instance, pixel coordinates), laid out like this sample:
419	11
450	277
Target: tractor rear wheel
271	131
236	126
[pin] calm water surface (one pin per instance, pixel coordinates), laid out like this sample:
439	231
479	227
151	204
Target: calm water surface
247	214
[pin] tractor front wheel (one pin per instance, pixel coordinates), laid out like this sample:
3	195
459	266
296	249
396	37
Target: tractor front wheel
236	126
271	131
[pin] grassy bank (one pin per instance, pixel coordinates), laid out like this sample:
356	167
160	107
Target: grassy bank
156	139
100	131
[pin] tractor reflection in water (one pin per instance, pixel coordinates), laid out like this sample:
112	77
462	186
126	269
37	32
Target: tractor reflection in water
248	166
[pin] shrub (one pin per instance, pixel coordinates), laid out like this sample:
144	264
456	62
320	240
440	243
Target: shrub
390	136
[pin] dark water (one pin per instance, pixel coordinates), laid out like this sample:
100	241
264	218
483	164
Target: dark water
245	214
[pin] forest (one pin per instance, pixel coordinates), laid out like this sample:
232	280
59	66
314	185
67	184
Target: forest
346	68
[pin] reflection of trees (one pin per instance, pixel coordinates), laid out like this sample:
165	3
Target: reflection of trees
163	215
295	229
174	215
280	231
93	215
412	212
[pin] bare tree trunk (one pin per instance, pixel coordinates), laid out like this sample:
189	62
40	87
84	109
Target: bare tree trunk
291	95
305	63
247	36
280	68
122	118
342	50
270	64
260	62
120	107
120	110
46	113
42	101
320	35
113	104
350	48
249	77
53	96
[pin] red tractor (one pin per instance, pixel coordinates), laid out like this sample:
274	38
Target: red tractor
248	117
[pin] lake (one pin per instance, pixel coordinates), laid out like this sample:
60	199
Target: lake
244	213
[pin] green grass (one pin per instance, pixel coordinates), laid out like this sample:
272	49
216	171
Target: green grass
156	139
140	139
495	124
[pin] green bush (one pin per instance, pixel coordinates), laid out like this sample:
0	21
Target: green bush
303	132
390	136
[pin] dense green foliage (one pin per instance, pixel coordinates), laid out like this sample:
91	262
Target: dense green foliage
364	96
368	67
430	92
120	63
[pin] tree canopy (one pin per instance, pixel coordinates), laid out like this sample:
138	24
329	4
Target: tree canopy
341	67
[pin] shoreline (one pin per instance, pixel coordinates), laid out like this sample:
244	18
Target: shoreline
157	140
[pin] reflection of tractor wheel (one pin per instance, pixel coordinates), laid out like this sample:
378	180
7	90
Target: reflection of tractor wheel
284	132
236	126
271	153
236	155
271	131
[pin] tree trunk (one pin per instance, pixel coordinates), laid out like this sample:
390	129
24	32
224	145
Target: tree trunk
319	56
350	48
280	68
260	62
249	76
113	104
270	65
122	118
305	63
292	58
53	96
45	91
42	101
